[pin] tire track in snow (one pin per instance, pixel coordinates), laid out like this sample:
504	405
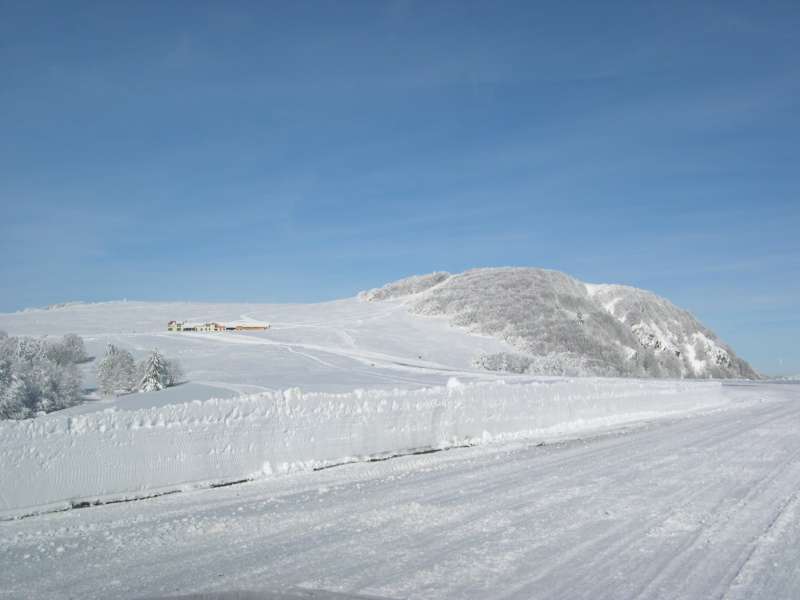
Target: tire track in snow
758	558
724	521
654	571
578	467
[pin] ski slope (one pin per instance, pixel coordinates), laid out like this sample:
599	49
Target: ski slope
700	507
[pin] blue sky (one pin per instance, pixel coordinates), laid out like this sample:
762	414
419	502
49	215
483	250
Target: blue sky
303	151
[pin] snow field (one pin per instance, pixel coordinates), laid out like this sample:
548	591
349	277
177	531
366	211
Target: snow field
55	461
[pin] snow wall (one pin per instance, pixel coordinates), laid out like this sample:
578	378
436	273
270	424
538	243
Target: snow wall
56	461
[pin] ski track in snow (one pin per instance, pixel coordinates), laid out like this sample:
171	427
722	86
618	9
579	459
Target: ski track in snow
365	358
368	358
693	507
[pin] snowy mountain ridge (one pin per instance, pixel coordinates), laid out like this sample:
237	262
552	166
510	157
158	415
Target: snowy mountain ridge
562	326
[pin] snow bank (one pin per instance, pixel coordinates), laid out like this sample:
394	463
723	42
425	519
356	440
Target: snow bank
58	460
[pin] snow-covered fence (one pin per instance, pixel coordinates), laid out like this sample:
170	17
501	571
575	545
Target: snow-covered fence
57	460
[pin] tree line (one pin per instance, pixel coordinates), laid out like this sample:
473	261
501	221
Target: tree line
40	375
118	373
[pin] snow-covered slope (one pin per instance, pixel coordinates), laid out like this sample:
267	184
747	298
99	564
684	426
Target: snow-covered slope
414	332
662	327
332	346
559	325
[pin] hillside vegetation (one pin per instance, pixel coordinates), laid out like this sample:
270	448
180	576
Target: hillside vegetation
562	326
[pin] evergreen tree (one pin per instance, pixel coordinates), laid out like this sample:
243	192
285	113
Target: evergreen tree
154	373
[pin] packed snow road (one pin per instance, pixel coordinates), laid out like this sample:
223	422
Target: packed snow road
698	507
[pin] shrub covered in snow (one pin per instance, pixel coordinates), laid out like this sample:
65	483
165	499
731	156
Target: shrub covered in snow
557	363
38	375
504	361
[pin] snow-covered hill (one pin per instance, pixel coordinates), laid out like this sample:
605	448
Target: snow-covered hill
327	347
561	326
414	332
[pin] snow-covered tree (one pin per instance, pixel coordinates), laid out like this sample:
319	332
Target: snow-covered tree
14	400
32	380
69	349
59	385
116	373
174	372
5	364
154	373
157	373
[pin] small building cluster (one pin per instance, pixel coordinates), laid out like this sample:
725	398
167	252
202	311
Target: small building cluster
218	326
